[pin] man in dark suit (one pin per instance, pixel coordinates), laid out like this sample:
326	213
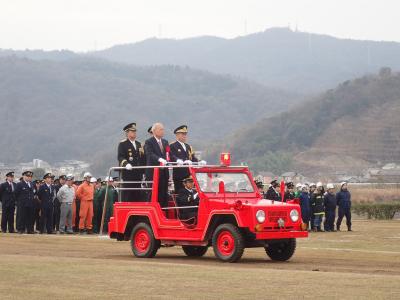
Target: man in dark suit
46	196
157	152
131	154
181	153
7	197
188	196
24	194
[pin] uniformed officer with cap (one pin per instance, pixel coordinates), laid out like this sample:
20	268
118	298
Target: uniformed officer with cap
131	154
260	187
182	153
187	197
149	131
289	193
7	197
46	197
24	194
273	193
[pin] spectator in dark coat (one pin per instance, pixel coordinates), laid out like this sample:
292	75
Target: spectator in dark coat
7	198
317	206
305	205
330	208
344	202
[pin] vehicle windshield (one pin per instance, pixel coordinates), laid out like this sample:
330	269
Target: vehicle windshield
234	182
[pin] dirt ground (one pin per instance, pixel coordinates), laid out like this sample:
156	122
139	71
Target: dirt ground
364	264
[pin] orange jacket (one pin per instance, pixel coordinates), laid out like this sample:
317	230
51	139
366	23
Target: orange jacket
85	192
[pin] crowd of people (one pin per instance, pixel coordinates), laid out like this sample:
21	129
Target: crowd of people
66	206
318	203
56	205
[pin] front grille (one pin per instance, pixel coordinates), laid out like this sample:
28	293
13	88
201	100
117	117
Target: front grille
274	228
274	216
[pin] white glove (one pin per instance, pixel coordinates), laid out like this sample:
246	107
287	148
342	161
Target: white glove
162	161
202	163
128	167
195	195
188	162
179	162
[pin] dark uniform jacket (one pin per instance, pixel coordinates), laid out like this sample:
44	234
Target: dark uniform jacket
187	198
330	201
127	154
46	195
317	203
343	199
7	194
289	196
25	194
272	194
177	152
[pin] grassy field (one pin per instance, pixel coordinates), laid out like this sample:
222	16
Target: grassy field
364	264
375	192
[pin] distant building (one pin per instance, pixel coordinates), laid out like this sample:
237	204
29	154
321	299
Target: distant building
293	176
266	177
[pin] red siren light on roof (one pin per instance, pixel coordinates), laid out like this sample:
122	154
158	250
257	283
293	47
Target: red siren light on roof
225	159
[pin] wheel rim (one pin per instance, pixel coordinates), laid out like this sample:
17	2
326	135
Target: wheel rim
142	240
226	243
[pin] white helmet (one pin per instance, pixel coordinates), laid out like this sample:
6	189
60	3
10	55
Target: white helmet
319	184
87	174
299	186
330	186
93	179
312	184
343	183
108	179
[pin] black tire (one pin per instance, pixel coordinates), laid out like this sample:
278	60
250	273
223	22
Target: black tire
228	243
282	250
142	233
195	251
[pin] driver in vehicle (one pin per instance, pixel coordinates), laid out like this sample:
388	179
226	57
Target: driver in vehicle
187	197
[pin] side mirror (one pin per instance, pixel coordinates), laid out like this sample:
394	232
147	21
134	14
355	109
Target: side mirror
221	187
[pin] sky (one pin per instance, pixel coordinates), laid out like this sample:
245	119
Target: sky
85	25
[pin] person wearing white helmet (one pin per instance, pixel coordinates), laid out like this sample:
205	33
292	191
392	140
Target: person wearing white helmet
317	206
85	193
343	198
297	192
330	208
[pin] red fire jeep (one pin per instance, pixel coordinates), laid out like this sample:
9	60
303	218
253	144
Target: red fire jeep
231	216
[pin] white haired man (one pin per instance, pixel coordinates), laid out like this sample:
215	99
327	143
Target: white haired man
157	152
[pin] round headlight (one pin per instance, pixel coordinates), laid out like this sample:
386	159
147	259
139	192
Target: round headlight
260	216
294	215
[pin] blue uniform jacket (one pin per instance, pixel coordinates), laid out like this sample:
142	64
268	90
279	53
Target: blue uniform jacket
45	194
25	194
305	204
343	199
7	195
